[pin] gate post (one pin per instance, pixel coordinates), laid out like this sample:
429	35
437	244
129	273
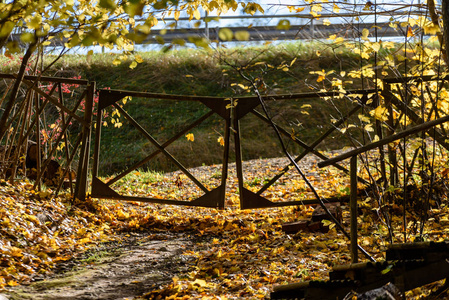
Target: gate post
83	164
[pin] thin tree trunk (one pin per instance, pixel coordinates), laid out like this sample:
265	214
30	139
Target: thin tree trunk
434	17
445	9
15	90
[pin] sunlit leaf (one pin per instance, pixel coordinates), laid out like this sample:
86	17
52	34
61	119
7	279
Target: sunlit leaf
242	35
190	137
225	34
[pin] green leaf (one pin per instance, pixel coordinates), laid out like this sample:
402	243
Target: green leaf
386	270
225	34
6	28
108	4
27	37
242	35
283	24
135	9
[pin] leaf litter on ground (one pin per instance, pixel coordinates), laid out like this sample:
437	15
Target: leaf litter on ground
242	253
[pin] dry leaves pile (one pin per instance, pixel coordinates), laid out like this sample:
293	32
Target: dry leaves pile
37	232
245	253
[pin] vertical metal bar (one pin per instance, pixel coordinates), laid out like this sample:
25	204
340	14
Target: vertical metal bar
88	117
99	123
37	184
206	22
353	209
225	167
238	152
66	147
81	183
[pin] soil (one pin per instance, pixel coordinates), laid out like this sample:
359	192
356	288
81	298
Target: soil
139	264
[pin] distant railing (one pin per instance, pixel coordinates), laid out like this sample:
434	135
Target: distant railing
310	28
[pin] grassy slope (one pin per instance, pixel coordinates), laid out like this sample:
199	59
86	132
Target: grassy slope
196	72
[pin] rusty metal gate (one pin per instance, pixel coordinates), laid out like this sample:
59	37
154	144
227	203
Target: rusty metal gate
56	114
231	114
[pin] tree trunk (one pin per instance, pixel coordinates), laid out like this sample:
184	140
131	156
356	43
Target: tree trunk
15	90
445	9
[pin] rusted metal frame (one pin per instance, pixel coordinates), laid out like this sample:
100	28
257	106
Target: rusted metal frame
83	164
96	157
159	146
17	115
164	145
47	78
18	131
69	161
37	114
19	111
146	199
8	87
39	170
200	98
66	141
238	152
63	130
308	149
225	163
54	101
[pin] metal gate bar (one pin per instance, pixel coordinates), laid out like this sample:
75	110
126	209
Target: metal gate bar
85	120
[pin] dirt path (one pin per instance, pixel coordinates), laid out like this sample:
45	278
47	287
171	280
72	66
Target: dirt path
115	271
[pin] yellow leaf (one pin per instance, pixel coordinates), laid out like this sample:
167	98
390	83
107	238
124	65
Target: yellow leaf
326	22
225	34
242	35
380	113
336	9
292	62
133	65
197	14
200	282
12	283
139	59
177	14
190	137
16	252
365	33
221	141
